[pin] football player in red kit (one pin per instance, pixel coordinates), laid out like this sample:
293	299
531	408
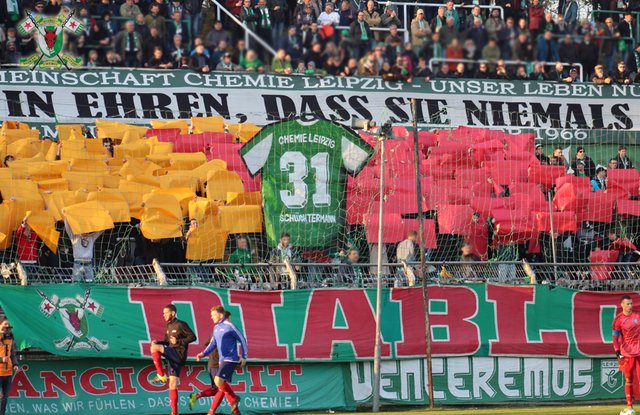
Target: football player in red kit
626	342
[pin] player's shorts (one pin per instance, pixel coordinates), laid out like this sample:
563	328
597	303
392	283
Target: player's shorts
175	363
226	369
213	372
629	365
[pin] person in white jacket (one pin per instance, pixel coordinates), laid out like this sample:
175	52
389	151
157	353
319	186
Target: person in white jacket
82	253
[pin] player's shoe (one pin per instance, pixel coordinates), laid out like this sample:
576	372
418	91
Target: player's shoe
193	397
234	407
159	380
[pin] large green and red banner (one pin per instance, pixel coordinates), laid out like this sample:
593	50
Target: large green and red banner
332	325
121	386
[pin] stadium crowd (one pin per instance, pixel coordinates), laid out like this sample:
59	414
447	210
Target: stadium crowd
346	38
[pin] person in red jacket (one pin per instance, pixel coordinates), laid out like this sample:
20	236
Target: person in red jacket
626	343
536	17
26	243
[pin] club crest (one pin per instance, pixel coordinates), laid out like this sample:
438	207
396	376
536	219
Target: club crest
74	313
48	32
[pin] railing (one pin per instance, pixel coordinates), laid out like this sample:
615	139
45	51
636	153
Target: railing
507	62
248	33
275	276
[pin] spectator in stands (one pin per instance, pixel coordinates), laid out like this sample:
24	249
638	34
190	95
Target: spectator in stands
306	16
587	55
264	26
252	63
243	254
176	27
420	30
557	73
467	255
613	164
626	33
284	251
372	17
390	17
599	77
523	48
141	26
280	64
394	43
570	14
422	70
623	162
128	44
360	34
444	72
547	48
482	72
314	53
539	153
155	20
491	53
478	34
248	15
217	54
536	17
129	10
471	18
451	12
53	7
92	59
226	65
107	143
454	52
26	243
549	24
633	64
158	60
347	14
368	66
174	6
599	182
109	25
82	253
572	78
494	24
581	157
406	250
112	59
608	44
153	41
559	159
507	39
521	73
292	44
623	245
99	35
177	51
449	32
567	50
352	273
199	62
437	22
329	16
621	75
310	36
239	52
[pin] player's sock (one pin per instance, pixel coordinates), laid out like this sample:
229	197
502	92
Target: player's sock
173	399
157	362
228	392
208	392
216	401
628	391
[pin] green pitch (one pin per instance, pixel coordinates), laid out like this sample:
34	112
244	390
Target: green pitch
511	410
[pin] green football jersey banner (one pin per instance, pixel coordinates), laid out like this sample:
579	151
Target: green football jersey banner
303	167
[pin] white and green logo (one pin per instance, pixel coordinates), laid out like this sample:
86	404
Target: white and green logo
48	32
610	377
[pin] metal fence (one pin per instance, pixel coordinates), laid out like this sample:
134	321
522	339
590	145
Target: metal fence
284	276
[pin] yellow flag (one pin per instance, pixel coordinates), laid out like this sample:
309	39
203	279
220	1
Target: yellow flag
206	242
182	194
139	149
87	217
57	200
213	124
53	184
24	148
133	193
64	130
9	222
43	224
88	165
181	124
202	172
114	202
136	166
241	219
187	161
161	216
